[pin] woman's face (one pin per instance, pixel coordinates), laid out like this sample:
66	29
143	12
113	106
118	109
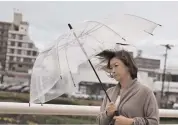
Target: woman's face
118	69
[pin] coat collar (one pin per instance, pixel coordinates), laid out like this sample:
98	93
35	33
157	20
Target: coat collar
117	88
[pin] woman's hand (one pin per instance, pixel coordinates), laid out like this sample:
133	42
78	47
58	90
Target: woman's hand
110	109
121	120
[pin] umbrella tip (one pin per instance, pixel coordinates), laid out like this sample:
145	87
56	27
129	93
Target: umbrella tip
159	25
148	32
70	26
123	39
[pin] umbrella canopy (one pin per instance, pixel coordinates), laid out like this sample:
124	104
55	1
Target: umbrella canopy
55	68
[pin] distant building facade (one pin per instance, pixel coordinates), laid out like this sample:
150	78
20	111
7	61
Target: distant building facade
17	50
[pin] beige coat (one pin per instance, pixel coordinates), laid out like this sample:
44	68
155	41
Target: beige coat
137	101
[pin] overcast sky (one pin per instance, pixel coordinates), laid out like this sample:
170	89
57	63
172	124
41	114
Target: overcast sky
49	19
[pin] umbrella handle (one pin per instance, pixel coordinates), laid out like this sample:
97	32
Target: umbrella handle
90	63
116	113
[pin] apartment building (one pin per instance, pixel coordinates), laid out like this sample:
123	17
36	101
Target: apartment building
4	29
18	52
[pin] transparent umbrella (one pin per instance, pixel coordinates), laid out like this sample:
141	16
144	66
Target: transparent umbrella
55	69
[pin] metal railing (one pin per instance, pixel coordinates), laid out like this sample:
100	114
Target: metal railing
51	109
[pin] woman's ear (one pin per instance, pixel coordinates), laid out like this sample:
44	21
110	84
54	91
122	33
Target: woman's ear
127	68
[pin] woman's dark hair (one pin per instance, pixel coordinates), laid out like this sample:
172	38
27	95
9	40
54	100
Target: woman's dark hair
124	56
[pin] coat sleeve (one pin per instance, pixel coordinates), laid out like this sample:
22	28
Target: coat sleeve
151	111
102	118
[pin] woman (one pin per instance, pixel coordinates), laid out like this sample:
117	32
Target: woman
134	102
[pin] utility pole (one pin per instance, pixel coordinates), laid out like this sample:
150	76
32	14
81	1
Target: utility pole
1	74
168	47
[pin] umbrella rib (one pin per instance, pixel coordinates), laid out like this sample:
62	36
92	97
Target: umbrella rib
100	42
109	29
95	39
82	34
144	19
83	30
91	30
69	68
58	61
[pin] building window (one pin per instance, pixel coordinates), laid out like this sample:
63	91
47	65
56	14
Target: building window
24	45
6	27
24	52
20	65
11	67
5	38
1	26
19	51
159	77
5	33
12	43
11	58
28	53
11	50
177	100
175	78
33	60
19	44
1	43
16	28
34	53
27	60
30	45
18	59
83	89
20	37
13	36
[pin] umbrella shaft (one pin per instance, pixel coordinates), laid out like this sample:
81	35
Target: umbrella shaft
91	65
89	61
99	80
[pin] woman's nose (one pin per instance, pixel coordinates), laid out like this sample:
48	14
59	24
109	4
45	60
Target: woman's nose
113	71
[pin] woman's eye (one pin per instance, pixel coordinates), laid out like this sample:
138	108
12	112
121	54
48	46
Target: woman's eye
116	65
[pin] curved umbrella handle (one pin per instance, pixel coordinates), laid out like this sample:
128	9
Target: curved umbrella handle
116	113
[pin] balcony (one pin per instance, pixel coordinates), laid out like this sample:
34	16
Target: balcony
17	32
20	55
